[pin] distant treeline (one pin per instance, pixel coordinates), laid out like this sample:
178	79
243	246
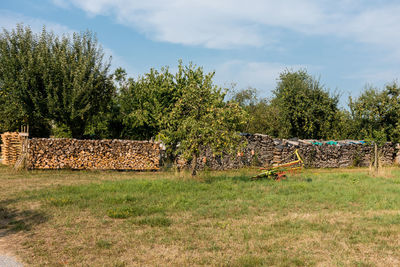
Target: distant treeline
302	107
62	86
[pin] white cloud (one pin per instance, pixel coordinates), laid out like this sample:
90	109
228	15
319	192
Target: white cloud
260	75
8	20
213	24
233	23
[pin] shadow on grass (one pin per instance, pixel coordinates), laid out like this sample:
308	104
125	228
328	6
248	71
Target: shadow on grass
13	220
247	179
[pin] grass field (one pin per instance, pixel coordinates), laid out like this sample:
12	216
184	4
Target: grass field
322	218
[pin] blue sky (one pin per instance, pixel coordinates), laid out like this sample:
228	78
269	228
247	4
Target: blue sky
345	43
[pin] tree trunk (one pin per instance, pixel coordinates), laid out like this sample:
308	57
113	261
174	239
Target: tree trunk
194	165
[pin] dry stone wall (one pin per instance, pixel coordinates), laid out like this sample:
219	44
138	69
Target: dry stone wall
62	153
262	150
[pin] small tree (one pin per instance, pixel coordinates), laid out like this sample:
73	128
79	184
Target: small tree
200	118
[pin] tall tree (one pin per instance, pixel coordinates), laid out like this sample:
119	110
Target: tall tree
51	81
23	95
306	109
77	81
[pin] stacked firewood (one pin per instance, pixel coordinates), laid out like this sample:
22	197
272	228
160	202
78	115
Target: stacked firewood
335	156
62	153
262	150
11	147
258	150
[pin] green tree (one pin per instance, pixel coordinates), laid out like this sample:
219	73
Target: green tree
306	109
23	95
262	116
49	81
343	126
200	118
77	81
145	102
377	113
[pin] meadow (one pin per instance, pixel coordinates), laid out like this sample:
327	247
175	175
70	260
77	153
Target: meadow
338	217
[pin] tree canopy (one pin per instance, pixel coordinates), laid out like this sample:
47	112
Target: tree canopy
300	107
185	110
306	110
50	81
376	114
200	118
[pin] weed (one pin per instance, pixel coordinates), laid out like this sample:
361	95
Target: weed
249	261
59	202
104	244
157	221
124	212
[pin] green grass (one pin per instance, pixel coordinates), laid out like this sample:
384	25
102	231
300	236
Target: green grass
338	217
226	197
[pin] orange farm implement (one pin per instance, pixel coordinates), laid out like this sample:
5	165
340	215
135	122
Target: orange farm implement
279	172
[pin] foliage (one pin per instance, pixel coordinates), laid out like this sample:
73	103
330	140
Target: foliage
23	95
200	118
107	124
145	102
263	117
77	82
185	110
306	109
61	131
300	107
376	114
343	126
48	80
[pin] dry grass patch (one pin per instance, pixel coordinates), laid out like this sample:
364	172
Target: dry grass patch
343	218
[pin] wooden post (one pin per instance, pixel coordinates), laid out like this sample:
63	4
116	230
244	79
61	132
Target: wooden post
376	157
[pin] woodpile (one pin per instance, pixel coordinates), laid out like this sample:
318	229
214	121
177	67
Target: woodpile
397	159
63	153
11	148
262	150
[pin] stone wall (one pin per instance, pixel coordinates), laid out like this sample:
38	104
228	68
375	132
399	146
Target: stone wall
262	150
63	153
